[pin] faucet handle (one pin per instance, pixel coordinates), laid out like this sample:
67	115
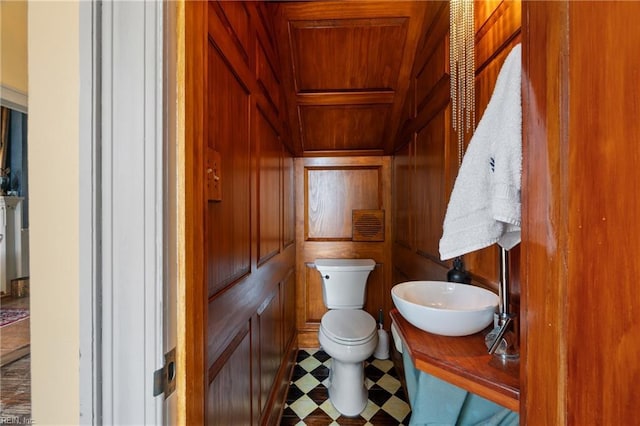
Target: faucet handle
501	338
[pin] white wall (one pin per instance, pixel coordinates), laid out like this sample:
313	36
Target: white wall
53	47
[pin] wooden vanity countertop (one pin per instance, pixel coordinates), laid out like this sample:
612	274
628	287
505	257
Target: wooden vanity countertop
462	361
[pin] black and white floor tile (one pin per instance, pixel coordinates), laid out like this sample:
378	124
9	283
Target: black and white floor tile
308	400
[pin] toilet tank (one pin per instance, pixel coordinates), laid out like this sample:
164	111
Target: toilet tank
344	281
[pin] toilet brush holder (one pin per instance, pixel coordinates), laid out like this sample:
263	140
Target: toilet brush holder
382	350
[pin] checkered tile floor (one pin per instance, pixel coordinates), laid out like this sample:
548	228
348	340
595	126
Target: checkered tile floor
308	400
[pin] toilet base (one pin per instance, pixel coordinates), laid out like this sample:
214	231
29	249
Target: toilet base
347	392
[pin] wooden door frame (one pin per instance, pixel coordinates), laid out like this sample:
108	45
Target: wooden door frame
192	43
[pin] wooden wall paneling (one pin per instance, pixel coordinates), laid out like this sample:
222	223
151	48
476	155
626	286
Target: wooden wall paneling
228	221
338	176
403	169
235	42
378	294
267	76
288	200
579	282
603	154
270	324
286	321
244	327
333	193
269	156
236	21
314	305
497	31
288	287
497	24
407	116
435	69
229	390
330	48
192	384
343	127
429	202
231	309
431	159
286	74
254	366
265	31
301	263
353	46
428	180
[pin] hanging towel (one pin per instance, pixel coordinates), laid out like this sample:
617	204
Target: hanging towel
485	202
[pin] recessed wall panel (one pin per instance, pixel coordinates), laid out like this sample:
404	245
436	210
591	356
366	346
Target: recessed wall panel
429	193
229	393
228	222
344	127
331	196
269	189
344	54
403	172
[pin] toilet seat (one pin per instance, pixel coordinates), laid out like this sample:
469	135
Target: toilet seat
348	326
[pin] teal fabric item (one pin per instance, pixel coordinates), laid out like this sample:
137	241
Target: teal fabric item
435	402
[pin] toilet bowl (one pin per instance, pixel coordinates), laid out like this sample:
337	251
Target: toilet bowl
347	333
349	337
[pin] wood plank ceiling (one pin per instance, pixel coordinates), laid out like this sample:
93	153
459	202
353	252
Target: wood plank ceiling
345	72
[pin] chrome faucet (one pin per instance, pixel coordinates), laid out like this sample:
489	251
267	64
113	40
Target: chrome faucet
502	340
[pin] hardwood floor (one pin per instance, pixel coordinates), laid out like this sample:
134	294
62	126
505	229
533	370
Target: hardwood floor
15	363
15	392
14	341
15	337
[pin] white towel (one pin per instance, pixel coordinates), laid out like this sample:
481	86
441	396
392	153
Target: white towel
485	202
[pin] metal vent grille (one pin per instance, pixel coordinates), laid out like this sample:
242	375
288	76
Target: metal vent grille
368	225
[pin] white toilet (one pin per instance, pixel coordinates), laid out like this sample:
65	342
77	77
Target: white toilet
347	333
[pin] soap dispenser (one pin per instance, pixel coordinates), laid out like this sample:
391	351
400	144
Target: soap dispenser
458	274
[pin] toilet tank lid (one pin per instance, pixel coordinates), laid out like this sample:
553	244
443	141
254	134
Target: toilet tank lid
345	264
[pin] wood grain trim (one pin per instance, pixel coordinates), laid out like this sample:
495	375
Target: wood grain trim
497	32
230	30
346	9
261	54
265	31
346	98
344	153
244	71
277	398
348	23
195	42
176	21
437	29
264	257
215	368
404	76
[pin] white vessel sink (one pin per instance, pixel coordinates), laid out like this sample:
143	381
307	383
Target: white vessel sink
448	309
